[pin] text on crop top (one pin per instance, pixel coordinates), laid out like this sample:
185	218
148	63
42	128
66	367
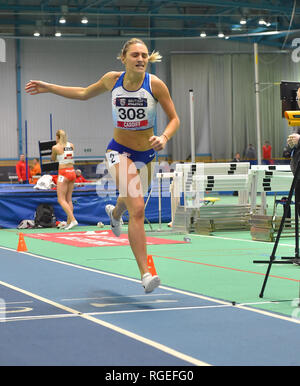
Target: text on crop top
67	156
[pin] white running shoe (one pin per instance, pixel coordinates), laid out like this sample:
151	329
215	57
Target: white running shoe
150	282
62	225
71	225
114	224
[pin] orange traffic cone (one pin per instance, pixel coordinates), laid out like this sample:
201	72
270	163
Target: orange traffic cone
21	245
151	266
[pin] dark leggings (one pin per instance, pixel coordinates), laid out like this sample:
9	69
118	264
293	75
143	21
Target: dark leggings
297	196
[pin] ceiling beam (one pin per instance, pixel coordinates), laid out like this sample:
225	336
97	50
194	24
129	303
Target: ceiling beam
261	5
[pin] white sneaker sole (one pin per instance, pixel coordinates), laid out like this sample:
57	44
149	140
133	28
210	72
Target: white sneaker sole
115	230
72	224
153	283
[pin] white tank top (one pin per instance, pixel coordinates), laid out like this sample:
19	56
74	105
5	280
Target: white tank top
133	110
67	156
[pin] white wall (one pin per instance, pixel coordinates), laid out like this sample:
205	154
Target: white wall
88	123
8	104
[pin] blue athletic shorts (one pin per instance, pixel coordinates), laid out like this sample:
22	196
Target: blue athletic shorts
142	157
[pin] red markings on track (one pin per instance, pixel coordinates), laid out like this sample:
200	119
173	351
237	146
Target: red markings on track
229	268
95	239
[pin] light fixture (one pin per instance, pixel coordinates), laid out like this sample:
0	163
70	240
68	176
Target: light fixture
203	34
84	20
263	22
243	21
36	33
58	34
62	20
221	35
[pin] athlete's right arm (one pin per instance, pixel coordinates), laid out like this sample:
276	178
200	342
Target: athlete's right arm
53	153
106	83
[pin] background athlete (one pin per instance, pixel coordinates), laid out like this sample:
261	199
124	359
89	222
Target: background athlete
63	153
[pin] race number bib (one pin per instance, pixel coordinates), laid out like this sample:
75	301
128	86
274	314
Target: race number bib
113	158
132	112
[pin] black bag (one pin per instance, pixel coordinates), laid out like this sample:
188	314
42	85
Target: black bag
44	216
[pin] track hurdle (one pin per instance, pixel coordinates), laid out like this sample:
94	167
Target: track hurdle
273	179
212	177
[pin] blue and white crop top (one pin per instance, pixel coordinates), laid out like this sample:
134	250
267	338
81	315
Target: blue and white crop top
67	156
133	110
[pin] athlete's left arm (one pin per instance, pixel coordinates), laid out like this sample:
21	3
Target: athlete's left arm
162	94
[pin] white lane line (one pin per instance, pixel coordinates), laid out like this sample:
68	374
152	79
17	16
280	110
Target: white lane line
258	311
115	297
183	308
129	303
160	309
25	301
248	241
120	330
55	316
36	317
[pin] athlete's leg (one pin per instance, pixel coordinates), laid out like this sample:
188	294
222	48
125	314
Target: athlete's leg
146	174
69	200
131	197
62	189
120	208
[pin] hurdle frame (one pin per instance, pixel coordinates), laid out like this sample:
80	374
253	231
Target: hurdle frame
184	218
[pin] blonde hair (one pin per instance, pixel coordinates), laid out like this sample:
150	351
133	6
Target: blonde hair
62	136
153	57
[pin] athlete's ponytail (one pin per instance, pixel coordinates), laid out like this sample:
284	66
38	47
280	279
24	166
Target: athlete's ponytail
62	136
155	57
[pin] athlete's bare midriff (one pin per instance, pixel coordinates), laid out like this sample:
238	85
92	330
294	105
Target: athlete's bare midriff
66	166
134	139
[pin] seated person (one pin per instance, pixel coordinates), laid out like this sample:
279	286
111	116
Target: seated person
237	157
35	171
79	176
